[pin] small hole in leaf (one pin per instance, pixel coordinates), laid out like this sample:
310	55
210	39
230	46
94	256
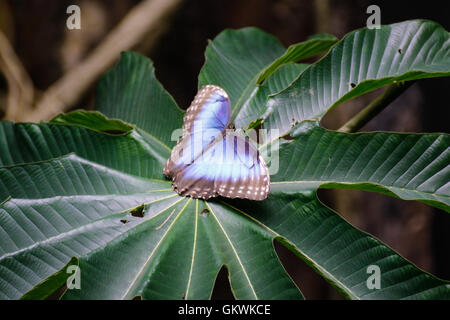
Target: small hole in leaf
183	296
400	51
138	211
205	211
352	84
124	221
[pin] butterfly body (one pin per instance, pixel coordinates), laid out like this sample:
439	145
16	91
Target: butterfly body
211	160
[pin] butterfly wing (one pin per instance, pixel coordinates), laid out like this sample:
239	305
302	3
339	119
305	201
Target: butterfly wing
232	167
205	119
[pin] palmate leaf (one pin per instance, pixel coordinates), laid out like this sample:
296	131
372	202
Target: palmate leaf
309	48
239	60
362	61
26	142
338	251
280	79
48	288
75	207
130	92
92	188
67	206
407	166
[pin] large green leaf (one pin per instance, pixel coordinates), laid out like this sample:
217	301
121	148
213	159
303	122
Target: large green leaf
53	285
129	233
234	60
90	187
338	251
256	104
130	92
363	61
239	60
131	236
408	166
25	142
309	48
93	120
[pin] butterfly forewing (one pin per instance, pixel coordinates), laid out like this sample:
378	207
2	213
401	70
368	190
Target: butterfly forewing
205	119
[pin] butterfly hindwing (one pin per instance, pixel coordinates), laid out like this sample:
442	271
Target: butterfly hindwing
232	167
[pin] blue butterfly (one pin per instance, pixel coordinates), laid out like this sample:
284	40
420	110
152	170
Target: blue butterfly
210	160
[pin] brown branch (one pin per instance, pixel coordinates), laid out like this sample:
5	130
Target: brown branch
375	107
20	86
144	18
322	14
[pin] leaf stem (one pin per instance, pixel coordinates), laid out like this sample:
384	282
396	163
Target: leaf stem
375	107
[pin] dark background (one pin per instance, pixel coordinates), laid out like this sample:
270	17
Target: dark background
37	32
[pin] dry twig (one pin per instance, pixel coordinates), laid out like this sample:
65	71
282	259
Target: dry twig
145	18
20	86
